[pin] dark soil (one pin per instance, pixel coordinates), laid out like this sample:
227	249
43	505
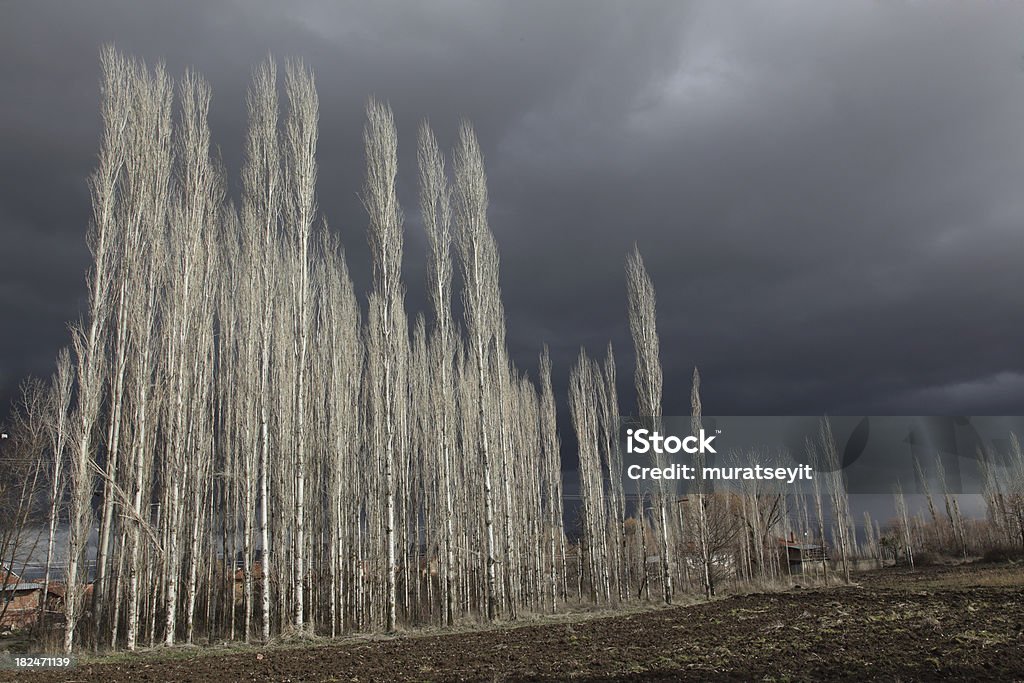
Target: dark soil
939	623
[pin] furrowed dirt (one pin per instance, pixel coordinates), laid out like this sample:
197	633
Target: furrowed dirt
962	623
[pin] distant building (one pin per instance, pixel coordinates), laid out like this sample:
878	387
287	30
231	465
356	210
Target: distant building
20	601
804	556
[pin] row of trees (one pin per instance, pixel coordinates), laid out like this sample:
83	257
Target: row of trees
237	446
243	425
946	531
253	452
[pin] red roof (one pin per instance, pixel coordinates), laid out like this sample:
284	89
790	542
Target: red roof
8	577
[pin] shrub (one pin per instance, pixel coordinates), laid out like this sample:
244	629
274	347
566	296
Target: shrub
1003	554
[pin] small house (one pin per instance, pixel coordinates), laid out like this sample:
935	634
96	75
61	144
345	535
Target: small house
803	557
20	600
19	606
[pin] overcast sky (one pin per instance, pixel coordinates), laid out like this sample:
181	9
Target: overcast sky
829	195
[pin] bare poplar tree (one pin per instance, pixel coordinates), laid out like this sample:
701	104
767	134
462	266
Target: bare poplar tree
89	337
584	392
143	349
612	454
703	535
301	165
141	200
435	209
643	326
1011	492
143	213
58	427
342	344
952	511
819	464
922	481
481	300
261	215
194	213
385	237
837	492
552	480
904	517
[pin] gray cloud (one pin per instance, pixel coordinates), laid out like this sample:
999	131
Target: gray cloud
826	194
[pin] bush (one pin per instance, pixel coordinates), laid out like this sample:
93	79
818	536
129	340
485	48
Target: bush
925	558
1003	554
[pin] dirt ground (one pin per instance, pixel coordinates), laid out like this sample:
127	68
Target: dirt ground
964	623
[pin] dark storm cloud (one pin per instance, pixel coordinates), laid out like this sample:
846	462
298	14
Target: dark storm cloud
827	195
